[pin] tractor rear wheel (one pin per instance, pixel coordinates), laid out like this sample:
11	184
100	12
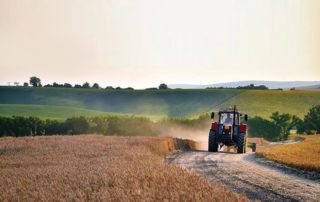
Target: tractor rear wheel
242	143
212	143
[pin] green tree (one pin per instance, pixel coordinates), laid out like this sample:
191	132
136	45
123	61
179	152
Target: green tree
259	127
163	86
109	88
77	125
284	122
297	123
312	120
99	125
54	127
20	126
95	85
56	85
86	85
35	126
35	81
67	85
6	126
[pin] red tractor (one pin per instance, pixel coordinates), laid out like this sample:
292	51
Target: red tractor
228	131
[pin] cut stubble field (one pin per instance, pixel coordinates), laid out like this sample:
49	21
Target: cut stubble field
99	168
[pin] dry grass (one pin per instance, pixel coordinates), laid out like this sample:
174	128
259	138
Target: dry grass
304	155
98	168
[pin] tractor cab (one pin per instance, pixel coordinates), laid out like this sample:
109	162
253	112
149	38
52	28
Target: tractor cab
228	131
228	117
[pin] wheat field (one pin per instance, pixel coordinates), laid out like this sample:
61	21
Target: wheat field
303	155
98	168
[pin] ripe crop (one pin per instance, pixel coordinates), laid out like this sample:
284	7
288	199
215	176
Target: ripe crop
98	168
304	155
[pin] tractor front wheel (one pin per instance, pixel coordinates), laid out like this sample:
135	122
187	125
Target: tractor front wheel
242	143
212	143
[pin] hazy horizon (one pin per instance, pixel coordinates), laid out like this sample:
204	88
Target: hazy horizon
144	43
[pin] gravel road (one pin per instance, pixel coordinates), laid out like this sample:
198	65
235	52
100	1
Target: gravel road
243	173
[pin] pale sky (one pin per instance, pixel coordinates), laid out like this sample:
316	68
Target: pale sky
142	43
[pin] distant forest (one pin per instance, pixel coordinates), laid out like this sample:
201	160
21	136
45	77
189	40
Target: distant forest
36	82
251	86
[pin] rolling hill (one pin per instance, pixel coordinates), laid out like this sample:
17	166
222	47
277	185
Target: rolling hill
269	84
173	103
48	111
264	102
65	102
314	87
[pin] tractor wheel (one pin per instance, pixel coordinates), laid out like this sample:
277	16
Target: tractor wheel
242	143
212	143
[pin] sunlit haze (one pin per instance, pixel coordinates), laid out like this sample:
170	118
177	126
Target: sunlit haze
142	43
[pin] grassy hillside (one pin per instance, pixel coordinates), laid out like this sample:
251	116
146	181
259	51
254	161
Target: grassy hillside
62	102
264	102
47	111
173	103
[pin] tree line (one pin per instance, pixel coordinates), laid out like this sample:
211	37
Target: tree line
251	86
280	125
113	125
18	126
36	82
276	128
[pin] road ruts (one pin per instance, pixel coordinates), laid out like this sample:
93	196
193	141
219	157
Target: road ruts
242	174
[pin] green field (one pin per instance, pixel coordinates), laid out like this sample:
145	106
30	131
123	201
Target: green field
60	103
172	103
264	102
48	111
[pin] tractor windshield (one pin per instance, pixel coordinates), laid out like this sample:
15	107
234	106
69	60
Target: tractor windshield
227	118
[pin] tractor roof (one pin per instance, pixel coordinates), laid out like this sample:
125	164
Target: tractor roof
228	111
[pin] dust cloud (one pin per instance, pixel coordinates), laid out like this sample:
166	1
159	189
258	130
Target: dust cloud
200	135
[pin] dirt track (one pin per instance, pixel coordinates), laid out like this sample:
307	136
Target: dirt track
243	174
